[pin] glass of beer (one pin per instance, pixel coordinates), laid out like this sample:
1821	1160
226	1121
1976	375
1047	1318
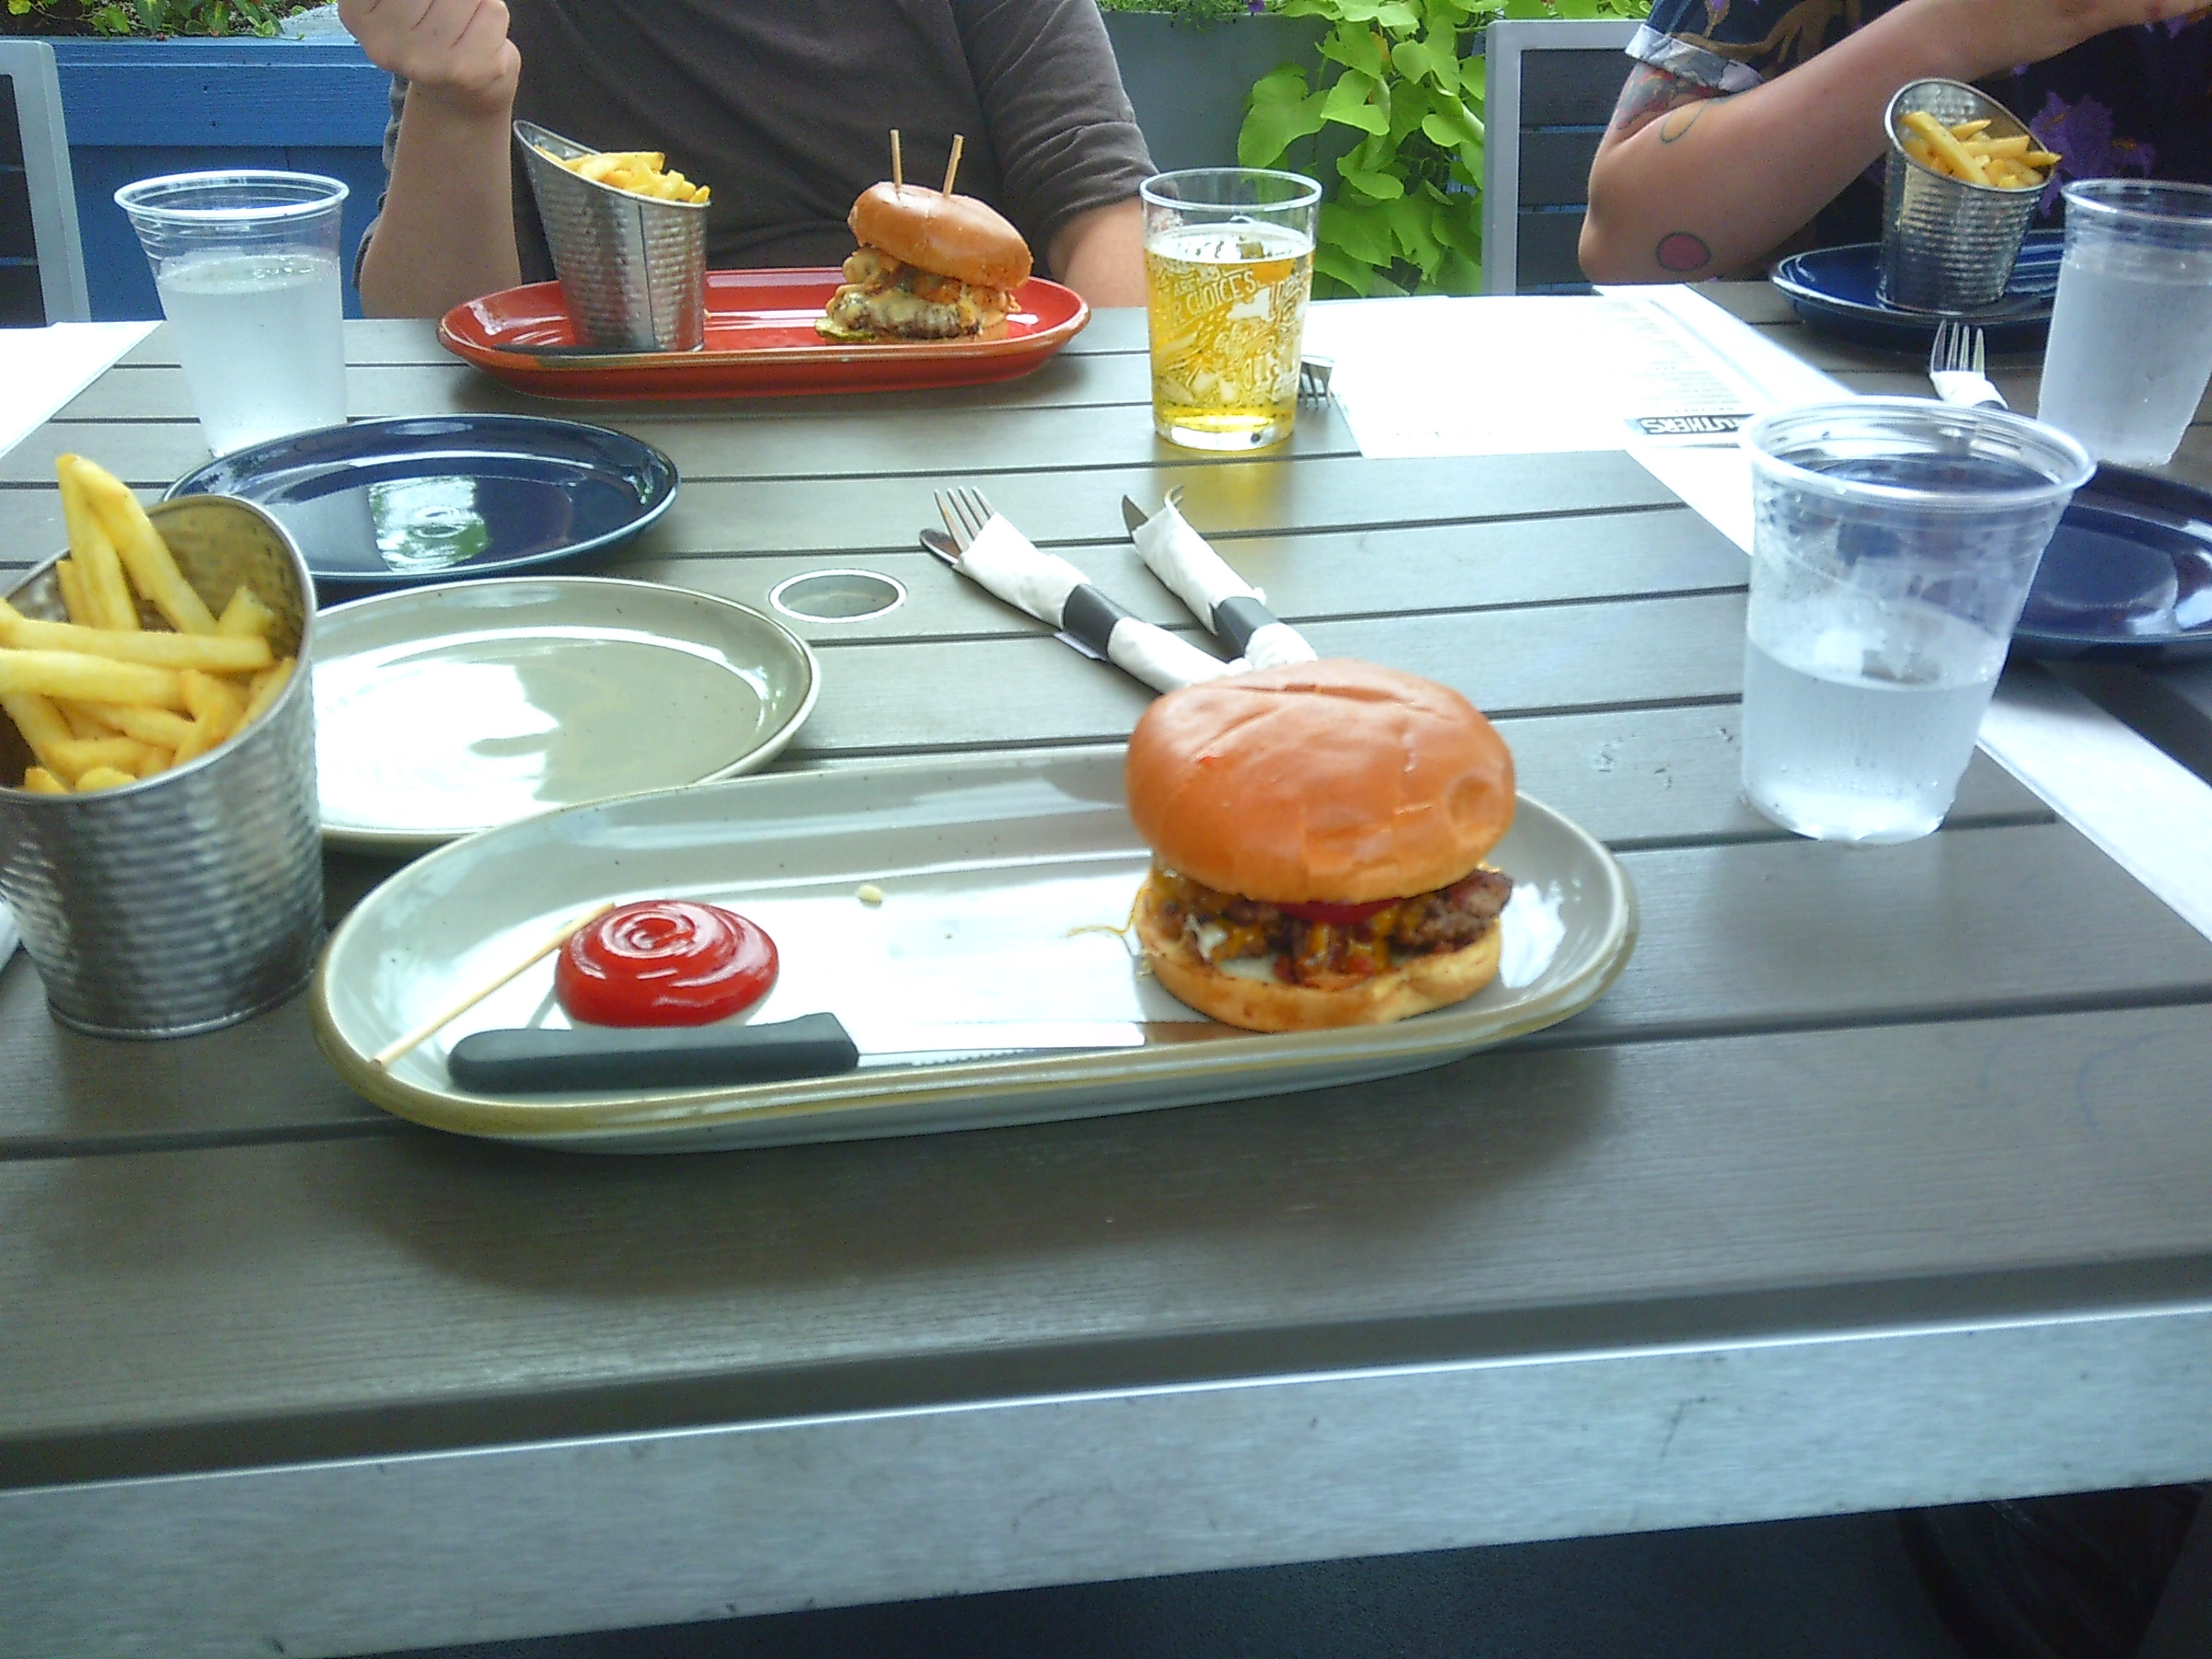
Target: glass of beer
1228	265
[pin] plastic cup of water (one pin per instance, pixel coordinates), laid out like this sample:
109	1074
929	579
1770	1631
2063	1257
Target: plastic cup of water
247	264
1892	546
2130	347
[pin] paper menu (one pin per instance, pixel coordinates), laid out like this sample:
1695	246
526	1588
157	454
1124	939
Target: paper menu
1545	373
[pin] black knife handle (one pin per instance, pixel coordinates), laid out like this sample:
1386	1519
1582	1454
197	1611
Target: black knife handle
1090	616
1236	620
597	1057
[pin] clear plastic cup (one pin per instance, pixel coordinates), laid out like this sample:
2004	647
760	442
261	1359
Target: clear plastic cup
2130	347
1228	268
247	264
1894	543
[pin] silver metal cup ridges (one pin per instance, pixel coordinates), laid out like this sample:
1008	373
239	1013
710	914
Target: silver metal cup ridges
1948	245
191	899
632	271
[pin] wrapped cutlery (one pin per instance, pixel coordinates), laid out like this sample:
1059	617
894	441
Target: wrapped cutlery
1236	611
992	553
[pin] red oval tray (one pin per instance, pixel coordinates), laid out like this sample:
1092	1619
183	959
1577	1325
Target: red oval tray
760	342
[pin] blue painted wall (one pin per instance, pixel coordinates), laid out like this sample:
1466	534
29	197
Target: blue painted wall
136	108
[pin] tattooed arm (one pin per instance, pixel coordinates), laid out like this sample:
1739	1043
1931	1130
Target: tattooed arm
1689	183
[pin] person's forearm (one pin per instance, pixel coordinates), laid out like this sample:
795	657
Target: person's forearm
1100	255
446	232
1711	183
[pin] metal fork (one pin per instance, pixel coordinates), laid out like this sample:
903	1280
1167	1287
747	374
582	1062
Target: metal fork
1956	359
965	512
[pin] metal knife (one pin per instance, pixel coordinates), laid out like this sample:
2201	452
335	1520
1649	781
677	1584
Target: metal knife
541	1059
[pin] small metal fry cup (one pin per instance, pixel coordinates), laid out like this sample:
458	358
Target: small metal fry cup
633	270
193	898
1948	245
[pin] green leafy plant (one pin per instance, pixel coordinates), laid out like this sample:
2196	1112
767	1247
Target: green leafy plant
146	18
1394	110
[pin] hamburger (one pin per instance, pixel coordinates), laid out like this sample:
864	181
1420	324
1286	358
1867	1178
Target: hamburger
931	266
1318	832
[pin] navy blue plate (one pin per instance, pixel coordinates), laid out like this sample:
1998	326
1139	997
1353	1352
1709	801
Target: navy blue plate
1836	291
387	503
2128	574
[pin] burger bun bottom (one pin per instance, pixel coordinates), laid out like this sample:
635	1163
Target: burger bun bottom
1414	986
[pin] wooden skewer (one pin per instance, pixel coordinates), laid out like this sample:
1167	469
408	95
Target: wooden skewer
429	1028
898	167
952	166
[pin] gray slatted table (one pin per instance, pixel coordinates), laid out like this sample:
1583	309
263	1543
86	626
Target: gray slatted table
1879	1179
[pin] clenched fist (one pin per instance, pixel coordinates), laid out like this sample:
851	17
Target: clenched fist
453	51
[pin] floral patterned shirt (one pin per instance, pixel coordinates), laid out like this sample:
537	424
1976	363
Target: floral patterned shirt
2134	101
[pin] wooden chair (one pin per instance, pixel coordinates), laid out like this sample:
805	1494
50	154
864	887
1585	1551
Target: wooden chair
42	261
1551	90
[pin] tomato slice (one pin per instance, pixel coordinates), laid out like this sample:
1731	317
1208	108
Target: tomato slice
1336	916
663	961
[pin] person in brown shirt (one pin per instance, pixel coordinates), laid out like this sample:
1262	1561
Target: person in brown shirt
783	107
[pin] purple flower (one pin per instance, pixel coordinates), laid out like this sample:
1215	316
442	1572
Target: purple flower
2083	136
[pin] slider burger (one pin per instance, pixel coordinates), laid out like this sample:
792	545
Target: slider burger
931	266
1317	833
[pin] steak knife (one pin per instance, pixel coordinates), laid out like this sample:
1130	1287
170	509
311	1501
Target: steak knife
547	1059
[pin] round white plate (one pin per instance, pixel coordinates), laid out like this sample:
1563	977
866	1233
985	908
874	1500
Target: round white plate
442	711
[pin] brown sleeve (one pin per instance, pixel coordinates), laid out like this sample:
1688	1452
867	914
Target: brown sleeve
391	143
1059	120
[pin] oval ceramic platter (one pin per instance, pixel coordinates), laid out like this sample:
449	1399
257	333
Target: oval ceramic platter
760	342
1004	883
443	711
427	498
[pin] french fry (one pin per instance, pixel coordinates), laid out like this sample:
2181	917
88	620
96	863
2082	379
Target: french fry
1962	161
39	720
267	686
101	707
82	722
157	728
93	679
78	755
246	616
640	171
145	556
108	599
215	705
212	652
1965	150
75	599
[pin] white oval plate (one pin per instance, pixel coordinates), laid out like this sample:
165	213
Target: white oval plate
442	711
1003	879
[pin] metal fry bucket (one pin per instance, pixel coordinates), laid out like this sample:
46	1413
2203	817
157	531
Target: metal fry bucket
1947	243
632	271
193	898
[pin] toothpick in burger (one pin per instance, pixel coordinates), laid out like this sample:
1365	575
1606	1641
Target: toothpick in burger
931	266
1318	833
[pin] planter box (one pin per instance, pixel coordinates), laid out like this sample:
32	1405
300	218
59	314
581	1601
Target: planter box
136	108
1189	80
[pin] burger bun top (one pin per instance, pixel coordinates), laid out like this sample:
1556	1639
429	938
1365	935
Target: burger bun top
1336	780
954	236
